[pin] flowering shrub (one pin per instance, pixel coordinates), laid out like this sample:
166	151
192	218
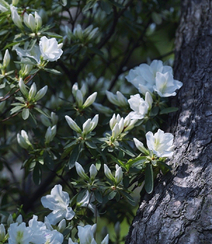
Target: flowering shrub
64	126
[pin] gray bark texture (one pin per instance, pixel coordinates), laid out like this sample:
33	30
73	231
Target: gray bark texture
180	208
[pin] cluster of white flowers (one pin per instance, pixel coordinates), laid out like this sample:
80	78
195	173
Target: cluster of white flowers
155	77
38	232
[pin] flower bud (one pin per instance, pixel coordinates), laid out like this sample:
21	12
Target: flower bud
6	59
15	17
90	100
25	69
118	174
75	88
23	140
115	131
108	173
87	126
29	21
80	171
84	89
2	232
94	122
112	121
93	171
38	21
23	87
72	124
10	220
54	118
19	219
50	134
140	146
32	91
79	98
121	99
149	100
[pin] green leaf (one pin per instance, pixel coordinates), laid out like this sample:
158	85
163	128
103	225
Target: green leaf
96	51
42	112
53	71
111	195
25	113
52	34
90	144
149	178
72	49
16	109
74	156
37	174
164	167
154	111
88	5
136	162
98	196
168	110
128	197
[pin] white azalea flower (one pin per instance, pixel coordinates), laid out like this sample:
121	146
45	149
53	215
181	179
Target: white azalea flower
15	17
140	106
160	143
86	233
58	201
19	234
165	85
143	77
50	49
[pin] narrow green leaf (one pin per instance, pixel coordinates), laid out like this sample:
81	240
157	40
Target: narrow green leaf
168	110
16	109
98	196
53	71
42	112
74	156
128	197
149	178
37	174
90	144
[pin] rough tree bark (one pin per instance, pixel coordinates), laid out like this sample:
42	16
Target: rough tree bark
180	208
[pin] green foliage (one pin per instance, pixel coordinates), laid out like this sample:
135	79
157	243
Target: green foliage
101	42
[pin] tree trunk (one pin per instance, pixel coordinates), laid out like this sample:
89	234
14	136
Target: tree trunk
180	208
